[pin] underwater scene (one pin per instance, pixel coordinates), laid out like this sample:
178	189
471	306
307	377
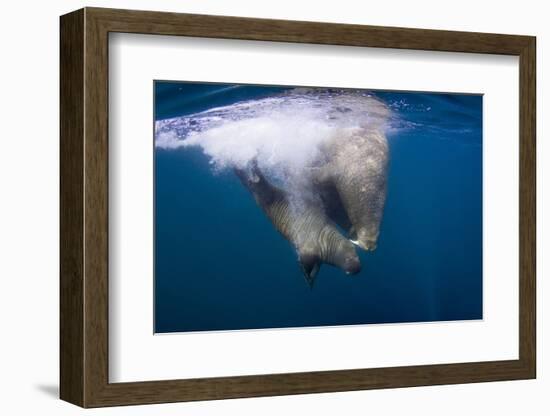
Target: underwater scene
286	206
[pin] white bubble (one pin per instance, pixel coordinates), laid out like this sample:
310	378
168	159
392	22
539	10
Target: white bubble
285	130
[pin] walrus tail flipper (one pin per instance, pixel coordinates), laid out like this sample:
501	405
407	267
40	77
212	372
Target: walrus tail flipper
254	180
245	176
310	265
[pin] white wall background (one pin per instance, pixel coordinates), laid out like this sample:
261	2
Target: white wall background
29	206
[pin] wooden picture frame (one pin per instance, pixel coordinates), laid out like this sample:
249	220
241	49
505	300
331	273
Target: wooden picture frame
84	207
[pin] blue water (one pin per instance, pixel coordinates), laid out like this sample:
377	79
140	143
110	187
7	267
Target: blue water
221	265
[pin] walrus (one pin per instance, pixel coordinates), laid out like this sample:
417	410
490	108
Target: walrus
314	236
353	183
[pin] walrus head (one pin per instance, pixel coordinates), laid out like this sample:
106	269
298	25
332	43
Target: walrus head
346	258
364	239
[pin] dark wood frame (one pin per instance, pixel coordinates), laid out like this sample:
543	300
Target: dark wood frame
84	207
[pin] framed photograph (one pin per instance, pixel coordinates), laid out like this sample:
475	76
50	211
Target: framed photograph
260	207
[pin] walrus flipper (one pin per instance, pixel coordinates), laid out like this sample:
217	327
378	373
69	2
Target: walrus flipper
332	204
310	265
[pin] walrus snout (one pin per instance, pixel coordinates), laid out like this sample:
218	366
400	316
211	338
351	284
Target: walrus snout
367	241
351	265
367	245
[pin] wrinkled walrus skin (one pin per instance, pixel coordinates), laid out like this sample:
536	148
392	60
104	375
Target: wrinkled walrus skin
356	168
309	230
